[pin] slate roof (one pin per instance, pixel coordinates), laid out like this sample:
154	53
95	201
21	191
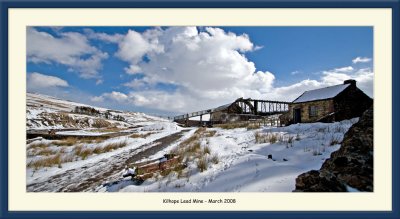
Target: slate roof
321	94
223	107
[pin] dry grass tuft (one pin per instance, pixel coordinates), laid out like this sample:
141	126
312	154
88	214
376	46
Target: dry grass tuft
195	147
46	162
108	129
86	152
267	138
253	126
137	135
83	152
202	164
109	147
101	123
215	159
38	145
45	152
206	150
113	146
189	141
67	142
200	130
70	141
210	133
289	141
232	125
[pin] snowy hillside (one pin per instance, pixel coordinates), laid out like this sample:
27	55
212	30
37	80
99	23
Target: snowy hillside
82	136
237	159
46	112
90	148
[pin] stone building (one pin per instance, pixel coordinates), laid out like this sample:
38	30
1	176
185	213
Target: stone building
234	112
334	103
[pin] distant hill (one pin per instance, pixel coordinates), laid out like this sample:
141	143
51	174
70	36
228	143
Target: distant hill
46	112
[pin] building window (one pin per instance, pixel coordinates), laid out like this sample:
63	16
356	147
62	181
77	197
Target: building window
312	111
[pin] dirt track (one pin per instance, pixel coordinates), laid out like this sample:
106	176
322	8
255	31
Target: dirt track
89	176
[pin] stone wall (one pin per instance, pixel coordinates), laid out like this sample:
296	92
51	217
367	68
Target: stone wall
224	117
351	103
324	107
351	165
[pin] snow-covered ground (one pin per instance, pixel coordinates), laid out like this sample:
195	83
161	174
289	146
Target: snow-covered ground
244	165
91	151
37	175
84	147
46	112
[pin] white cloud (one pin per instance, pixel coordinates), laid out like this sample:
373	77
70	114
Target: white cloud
364	78
258	48
291	92
109	38
136	84
295	72
37	81
133	46
346	69
133	69
70	49
361	60
188	100
208	68
114	96
97	99
99	81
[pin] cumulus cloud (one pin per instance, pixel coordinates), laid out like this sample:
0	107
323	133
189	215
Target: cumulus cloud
361	60
133	46
187	100
364	78
99	81
97	99
114	96
346	69
206	67
295	72
71	49
136	84
110	38
38	81
133	69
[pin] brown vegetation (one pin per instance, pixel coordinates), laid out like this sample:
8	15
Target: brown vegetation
56	159
38	145
202	164
234	125
69	141
144	135
266	137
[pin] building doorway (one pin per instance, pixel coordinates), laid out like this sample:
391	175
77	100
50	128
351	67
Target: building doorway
297	115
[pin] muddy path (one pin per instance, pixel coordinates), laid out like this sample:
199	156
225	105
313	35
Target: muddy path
44	134
92	175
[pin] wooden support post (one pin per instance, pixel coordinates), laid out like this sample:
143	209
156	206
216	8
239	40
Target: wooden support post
255	107
201	119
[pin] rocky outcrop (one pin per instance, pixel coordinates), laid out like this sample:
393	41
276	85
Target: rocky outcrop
351	165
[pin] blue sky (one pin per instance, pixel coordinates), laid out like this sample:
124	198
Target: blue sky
171	70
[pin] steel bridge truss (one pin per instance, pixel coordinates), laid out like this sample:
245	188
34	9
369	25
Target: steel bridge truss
244	106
